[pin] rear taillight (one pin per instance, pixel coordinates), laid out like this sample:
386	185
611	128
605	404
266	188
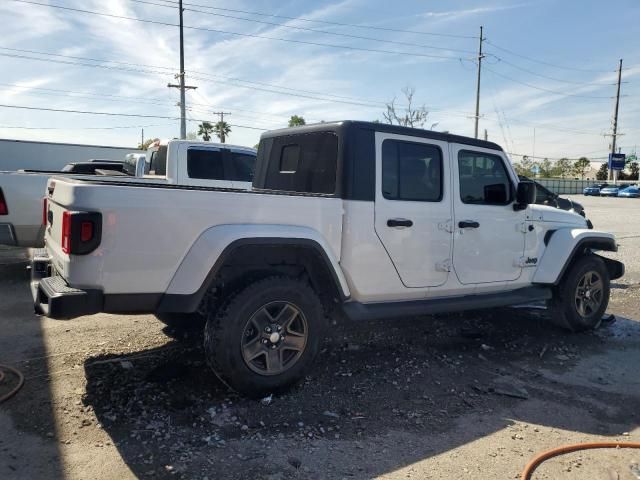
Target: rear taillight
66	232
81	232
45	211
4	210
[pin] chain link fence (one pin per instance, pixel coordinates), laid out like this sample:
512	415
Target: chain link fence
566	186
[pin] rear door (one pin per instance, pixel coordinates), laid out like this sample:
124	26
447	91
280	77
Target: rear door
413	209
489	235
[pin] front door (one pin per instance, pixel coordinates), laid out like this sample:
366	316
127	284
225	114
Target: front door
489	234
413	210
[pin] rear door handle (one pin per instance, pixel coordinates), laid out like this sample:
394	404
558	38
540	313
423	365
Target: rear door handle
399	222
468	224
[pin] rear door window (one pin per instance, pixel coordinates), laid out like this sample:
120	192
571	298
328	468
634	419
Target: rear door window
411	171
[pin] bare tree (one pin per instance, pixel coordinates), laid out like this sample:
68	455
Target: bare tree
407	116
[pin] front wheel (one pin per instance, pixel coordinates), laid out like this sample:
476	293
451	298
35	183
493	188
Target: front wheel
266	336
579	302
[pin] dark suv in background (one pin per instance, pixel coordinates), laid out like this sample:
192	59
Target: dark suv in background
544	196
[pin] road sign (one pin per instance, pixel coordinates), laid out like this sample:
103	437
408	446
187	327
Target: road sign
616	161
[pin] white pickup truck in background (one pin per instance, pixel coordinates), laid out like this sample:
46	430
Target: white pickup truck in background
178	162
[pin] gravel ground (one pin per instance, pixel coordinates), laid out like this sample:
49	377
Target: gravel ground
456	396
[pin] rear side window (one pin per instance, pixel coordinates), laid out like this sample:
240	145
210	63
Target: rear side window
220	164
483	179
411	171
244	166
304	162
205	163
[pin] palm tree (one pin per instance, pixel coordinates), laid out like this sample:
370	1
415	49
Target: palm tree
222	129
205	129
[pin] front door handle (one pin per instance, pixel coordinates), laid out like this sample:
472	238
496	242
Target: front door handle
399	222
468	224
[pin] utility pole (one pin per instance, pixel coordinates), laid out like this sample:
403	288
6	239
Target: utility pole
615	121
181	85
142	140
486	135
480	57
222	114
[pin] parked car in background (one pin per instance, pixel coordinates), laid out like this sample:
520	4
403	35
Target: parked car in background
594	189
544	196
611	191
632	191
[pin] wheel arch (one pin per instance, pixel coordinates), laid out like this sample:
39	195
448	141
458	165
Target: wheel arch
555	260
237	246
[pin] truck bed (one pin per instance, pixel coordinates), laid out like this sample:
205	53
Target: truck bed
149	228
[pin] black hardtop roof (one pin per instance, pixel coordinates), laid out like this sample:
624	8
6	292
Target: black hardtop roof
344	125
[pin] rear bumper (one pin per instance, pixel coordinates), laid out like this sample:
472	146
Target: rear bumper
53	297
7	236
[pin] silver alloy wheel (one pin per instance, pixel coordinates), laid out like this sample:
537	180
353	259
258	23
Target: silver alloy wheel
274	338
588	297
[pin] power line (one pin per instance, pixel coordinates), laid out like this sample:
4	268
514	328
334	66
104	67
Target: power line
75	94
544	62
202	76
111	114
306	29
226	32
370	105
564	94
17	127
531	72
36	52
324	22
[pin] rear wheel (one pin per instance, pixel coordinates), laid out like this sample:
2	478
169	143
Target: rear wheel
265	338
579	302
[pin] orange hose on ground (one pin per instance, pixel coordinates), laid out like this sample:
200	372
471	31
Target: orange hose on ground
538	459
15	389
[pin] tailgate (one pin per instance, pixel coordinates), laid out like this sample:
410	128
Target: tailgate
70	231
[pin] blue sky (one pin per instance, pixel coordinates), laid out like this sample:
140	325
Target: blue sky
567	98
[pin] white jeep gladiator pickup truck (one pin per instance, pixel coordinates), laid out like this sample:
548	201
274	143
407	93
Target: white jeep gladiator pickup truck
364	219
173	162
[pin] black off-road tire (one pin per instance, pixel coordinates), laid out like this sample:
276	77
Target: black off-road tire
564	307
225	333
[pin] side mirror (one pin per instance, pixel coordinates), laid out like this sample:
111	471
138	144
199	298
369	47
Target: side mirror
141	166
525	195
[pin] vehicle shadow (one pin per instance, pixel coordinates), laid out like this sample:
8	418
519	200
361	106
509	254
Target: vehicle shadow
382	396
28	438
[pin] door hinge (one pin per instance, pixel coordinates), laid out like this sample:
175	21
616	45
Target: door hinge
523	262
446	226
444	266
